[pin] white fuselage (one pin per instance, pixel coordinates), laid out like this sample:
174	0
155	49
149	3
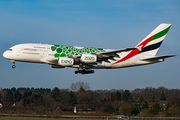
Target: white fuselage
86	58
41	53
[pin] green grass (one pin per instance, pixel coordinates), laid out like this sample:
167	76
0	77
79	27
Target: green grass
24	118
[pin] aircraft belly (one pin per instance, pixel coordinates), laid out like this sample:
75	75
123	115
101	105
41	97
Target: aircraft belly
103	65
132	63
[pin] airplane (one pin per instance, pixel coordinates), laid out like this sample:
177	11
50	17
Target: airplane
86	58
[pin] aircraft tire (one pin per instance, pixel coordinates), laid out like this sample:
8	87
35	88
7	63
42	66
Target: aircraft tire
83	72
80	71
76	72
13	66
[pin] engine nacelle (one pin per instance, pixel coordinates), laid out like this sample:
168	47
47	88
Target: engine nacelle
64	61
88	58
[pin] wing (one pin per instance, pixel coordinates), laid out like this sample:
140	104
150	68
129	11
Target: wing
113	53
102	56
118	51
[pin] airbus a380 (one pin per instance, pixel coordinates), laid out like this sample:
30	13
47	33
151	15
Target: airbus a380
85	58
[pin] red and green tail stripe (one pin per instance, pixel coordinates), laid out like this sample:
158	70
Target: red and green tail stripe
140	47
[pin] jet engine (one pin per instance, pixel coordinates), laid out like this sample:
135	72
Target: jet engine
64	61
88	58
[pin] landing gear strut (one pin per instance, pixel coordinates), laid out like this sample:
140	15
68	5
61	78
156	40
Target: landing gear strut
13	66
84	71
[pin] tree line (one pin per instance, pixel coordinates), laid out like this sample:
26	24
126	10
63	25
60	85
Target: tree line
62	101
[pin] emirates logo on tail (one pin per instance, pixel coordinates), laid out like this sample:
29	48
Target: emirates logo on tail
140	47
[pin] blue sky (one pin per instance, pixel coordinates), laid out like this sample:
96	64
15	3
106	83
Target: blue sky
105	24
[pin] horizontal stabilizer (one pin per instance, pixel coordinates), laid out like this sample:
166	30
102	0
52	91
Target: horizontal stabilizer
157	58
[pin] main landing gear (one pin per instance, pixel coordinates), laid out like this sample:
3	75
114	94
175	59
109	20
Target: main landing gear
84	71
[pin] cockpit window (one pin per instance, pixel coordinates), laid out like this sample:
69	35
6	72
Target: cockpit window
10	49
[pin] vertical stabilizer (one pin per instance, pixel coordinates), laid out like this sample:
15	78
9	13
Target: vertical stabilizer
152	42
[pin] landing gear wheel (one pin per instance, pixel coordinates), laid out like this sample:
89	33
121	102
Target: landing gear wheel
13	66
80	71
84	71
76	72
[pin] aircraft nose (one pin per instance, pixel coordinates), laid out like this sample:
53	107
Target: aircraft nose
6	55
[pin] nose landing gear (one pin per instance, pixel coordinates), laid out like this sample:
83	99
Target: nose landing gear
84	71
13	66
